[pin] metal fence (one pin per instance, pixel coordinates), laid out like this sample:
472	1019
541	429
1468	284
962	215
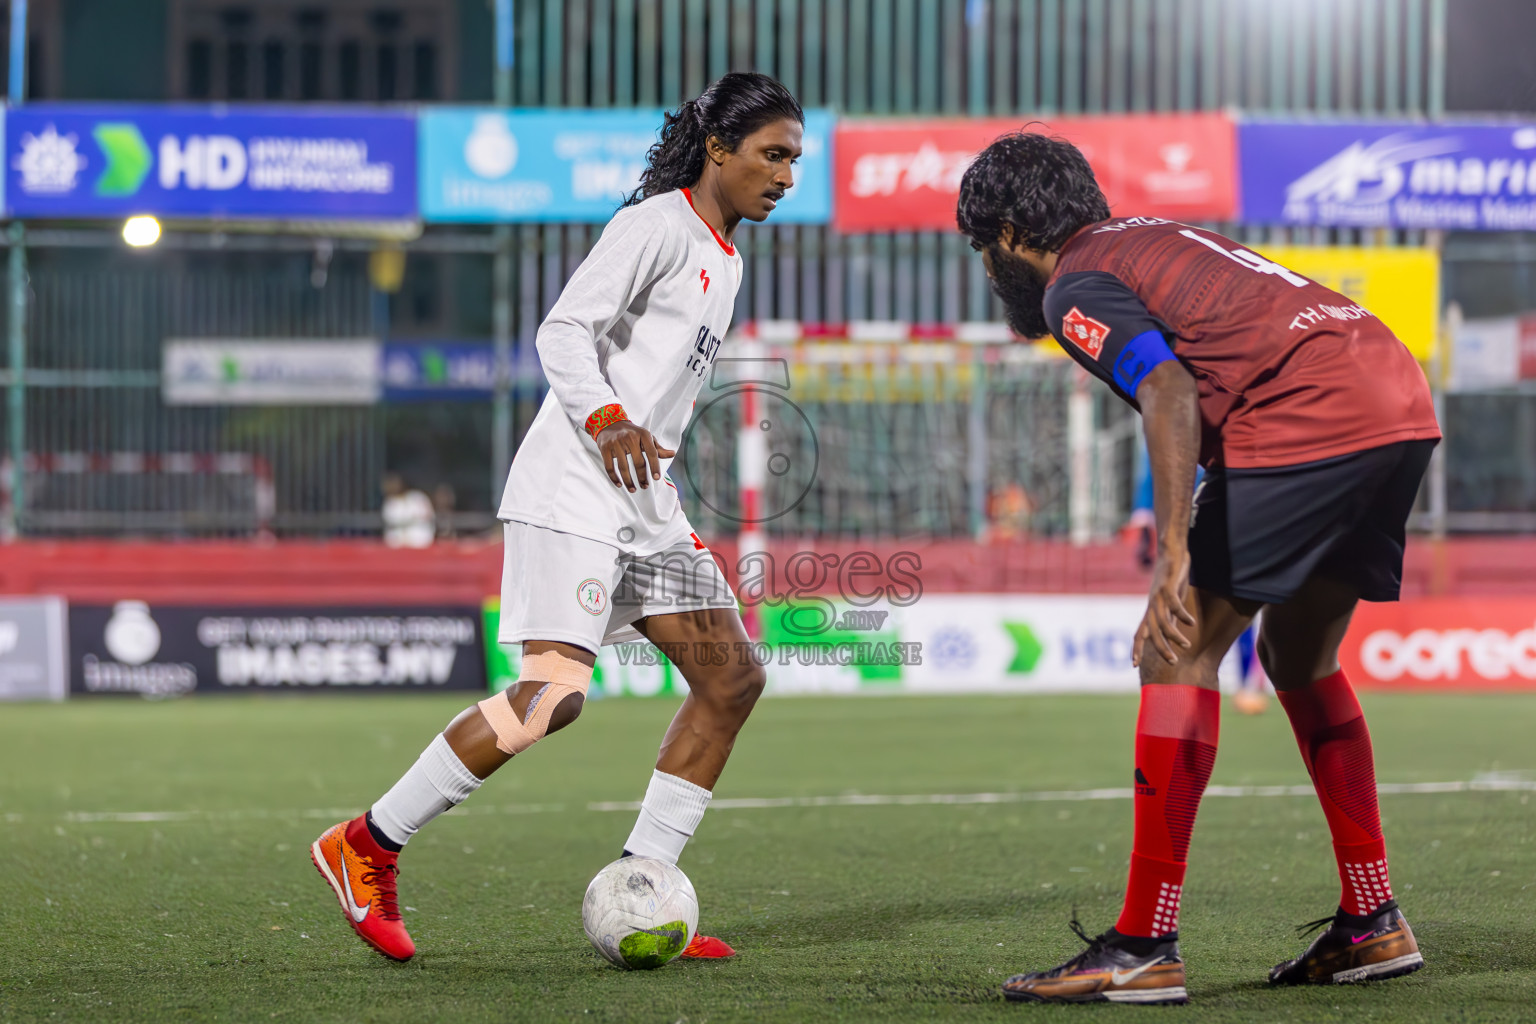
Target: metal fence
908	439
105	455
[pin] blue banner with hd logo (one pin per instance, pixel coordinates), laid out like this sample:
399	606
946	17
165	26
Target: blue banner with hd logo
282	163
427	370
542	166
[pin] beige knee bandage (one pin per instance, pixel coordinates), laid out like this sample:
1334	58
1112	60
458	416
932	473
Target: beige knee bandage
561	677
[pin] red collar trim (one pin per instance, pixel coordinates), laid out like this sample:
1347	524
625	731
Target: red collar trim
730	250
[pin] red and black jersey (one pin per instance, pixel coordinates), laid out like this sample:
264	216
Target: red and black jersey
1289	371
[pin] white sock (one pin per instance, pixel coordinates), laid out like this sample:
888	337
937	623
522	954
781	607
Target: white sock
669	815
437	781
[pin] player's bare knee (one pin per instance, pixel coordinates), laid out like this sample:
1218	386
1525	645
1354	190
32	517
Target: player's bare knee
1156	670
1287	663
736	691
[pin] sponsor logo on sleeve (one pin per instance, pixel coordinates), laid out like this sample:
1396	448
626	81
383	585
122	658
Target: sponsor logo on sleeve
1085	332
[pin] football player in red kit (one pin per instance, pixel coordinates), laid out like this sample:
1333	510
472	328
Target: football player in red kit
1314	425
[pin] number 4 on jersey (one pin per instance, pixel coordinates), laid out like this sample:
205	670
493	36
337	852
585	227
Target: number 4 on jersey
1252	260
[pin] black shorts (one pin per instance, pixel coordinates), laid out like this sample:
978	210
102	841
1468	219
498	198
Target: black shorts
1259	534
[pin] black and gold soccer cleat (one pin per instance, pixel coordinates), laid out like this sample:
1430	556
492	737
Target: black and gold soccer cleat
1114	968
1354	949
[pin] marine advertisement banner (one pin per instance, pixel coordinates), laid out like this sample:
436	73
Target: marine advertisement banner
64	160
169	650
903	175
482	164
1389	174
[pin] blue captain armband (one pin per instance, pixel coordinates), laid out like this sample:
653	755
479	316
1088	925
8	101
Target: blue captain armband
1140	355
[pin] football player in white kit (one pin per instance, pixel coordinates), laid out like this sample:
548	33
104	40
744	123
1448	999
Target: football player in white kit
597	546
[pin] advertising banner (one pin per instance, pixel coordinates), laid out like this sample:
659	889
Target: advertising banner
428	370
894	175
1499	352
482	164
1401	285
1443	644
167	651
1455	175
299	371
941	643
32	649
64	160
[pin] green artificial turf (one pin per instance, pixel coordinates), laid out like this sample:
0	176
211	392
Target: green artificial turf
210	909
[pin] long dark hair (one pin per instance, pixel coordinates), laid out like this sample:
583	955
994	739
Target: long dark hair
731	109
1040	185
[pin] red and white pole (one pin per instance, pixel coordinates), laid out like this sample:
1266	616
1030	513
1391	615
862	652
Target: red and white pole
751	467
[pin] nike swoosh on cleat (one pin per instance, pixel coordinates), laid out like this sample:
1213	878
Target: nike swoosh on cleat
357	912
1120	979
1355	941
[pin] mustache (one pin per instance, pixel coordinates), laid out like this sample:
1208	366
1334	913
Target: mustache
1022	290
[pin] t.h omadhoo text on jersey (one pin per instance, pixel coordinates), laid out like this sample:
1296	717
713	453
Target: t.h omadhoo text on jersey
1288	371
638	325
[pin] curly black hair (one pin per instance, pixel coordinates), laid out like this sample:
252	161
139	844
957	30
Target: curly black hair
1040	185
734	107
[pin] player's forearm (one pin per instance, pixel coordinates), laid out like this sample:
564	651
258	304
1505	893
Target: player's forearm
1170	412
568	354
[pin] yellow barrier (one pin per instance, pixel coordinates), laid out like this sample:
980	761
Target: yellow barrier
1399	285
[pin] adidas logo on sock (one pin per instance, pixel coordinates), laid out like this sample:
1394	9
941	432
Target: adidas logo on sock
1143	787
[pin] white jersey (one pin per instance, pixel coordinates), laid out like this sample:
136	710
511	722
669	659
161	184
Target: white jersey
638	325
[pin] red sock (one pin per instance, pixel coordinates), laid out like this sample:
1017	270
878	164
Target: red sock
1336	746
1175	751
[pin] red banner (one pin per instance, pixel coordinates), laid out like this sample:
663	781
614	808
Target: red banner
1443	644
905	175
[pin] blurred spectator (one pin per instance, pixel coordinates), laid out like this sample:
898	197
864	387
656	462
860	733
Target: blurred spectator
409	521
1253	689
1142	525
1008	510
445	501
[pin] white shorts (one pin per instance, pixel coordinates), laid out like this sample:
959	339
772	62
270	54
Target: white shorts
558	586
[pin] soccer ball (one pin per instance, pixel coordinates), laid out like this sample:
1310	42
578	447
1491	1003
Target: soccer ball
640	912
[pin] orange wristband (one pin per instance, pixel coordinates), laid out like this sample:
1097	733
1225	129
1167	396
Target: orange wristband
607	416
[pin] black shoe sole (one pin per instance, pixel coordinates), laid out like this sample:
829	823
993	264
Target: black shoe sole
1386	973
1097	997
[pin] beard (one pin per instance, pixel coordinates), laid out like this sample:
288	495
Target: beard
1022	289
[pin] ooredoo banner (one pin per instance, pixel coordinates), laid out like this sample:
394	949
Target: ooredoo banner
88	161
1443	644
905	175
1458	175
170	650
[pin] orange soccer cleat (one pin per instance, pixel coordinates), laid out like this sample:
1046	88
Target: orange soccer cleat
362	874
705	948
